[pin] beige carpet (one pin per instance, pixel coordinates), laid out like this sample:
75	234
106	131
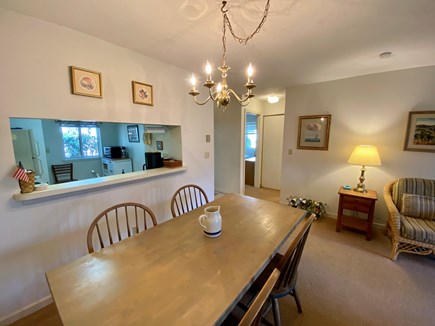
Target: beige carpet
346	280
263	193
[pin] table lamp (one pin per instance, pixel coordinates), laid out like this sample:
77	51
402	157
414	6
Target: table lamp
364	155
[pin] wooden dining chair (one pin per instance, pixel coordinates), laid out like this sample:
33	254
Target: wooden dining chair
119	222
288	266
253	314
63	172
187	198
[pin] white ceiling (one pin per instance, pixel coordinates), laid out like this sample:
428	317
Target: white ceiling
302	41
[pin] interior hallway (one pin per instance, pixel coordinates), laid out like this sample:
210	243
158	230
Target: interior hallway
272	195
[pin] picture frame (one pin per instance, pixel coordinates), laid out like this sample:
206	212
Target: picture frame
142	93
313	132
133	133
86	82
159	145
420	132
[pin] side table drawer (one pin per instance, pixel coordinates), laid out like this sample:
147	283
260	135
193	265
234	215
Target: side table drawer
357	204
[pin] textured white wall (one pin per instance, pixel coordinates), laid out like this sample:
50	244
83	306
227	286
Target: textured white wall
40	235
228	133
370	109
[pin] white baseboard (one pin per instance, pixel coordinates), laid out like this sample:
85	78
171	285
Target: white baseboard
23	312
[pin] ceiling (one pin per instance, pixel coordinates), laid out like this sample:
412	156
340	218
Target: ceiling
301	42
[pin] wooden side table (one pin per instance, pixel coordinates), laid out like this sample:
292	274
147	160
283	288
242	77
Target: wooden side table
357	202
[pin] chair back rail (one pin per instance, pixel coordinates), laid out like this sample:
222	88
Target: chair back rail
116	223
289	263
62	172
255	312
187	198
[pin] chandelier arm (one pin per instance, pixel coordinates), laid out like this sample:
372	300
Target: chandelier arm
214	96
201	103
257	30
240	100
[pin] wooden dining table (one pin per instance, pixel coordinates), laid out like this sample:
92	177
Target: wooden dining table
172	274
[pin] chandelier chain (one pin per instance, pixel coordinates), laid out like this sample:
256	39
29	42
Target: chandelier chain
224	39
239	39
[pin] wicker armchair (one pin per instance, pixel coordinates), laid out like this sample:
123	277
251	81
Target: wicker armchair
411	222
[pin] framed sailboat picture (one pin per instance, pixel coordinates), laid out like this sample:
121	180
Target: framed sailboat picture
313	132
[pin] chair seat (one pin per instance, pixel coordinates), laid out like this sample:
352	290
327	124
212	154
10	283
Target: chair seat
418	229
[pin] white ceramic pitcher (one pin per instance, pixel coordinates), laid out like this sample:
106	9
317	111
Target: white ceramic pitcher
211	221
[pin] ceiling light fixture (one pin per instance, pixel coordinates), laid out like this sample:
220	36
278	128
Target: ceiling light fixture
273	99
220	93
385	55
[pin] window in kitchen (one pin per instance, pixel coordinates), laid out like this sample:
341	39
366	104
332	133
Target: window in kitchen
81	139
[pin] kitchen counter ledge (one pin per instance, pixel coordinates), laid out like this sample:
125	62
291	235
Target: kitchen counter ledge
93	183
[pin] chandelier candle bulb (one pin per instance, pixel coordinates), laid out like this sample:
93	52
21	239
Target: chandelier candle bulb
193	91
208	71
193	82
250	73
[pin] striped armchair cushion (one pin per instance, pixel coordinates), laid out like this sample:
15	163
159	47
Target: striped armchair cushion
418	229
418	206
417	186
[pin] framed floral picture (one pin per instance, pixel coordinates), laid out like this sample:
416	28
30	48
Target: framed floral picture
142	93
420	132
133	133
313	132
86	82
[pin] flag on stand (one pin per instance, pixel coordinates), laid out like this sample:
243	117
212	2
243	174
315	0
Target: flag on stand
21	173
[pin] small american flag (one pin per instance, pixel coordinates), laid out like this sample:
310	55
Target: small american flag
21	173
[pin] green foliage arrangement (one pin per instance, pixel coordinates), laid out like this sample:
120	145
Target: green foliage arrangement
312	206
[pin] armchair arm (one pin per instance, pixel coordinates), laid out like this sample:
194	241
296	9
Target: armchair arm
393	212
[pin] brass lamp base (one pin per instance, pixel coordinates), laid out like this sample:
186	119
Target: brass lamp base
361	187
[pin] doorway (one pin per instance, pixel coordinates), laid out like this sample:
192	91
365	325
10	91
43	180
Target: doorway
251	142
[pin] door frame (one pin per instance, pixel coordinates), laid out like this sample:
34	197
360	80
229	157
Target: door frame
259	152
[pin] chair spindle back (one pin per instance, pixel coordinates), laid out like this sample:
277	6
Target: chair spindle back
187	198
119	222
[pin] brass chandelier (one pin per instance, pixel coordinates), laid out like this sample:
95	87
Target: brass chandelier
220	93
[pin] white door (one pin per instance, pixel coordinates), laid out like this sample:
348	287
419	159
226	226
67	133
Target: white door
273	130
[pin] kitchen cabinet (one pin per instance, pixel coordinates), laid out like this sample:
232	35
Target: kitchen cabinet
250	171
112	166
